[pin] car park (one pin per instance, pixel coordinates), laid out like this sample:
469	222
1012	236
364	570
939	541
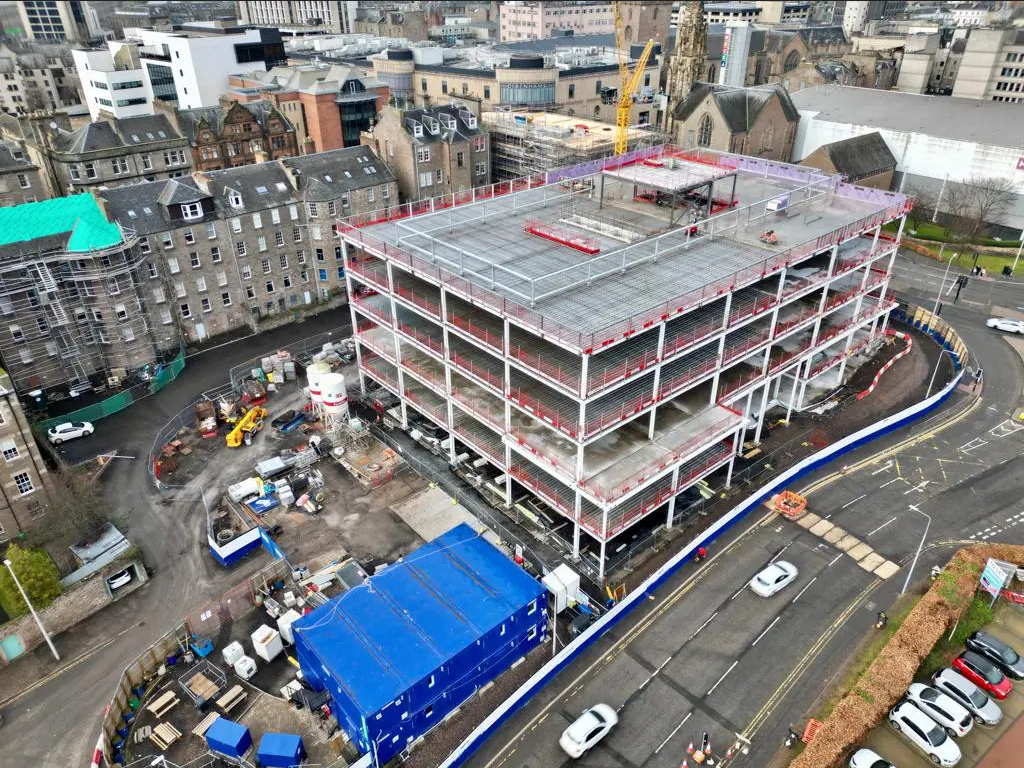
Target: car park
924	733
119	579
69	430
999	653
942	709
589	728
984	674
969	696
773	579
1006	324
868	758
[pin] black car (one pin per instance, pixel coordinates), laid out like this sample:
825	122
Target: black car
998	652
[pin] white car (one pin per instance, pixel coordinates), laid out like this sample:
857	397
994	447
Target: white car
868	758
774	578
119	579
924	733
969	696
942	709
1006	324
69	430
589	728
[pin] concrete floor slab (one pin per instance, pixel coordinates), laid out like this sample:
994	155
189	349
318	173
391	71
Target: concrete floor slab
848	542
834	535
860	551
822	527
809	520
886	570
871	562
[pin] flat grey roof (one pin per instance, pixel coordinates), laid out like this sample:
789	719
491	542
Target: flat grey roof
984	122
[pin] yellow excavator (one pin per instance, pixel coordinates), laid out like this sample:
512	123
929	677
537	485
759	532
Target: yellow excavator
628	81
248	424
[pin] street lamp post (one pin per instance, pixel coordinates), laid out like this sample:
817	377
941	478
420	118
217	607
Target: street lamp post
938	296
1016	258
935	371
46	635
917	554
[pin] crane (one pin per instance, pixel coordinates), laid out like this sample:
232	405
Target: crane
628	81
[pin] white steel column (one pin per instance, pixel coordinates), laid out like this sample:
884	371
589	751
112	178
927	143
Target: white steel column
600	567
657	379
760	419
746	418
672	500
721	352
507	385
447	372
508	477
796	382
398	344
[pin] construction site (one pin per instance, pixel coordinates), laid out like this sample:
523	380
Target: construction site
608	337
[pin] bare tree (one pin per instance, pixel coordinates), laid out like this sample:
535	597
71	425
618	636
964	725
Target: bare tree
988	197
35	99
924	205
956	203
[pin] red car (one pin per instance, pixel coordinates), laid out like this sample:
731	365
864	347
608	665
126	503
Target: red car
984	674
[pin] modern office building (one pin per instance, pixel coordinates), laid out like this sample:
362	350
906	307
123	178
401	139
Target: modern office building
57	20
610	334
323	16
992	66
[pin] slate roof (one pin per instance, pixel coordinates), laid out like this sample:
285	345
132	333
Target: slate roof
860	156
462	130
191	120
739	106
8	162
114	134
176	192
328	175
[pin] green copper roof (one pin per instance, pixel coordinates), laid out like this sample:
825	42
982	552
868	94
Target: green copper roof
77	215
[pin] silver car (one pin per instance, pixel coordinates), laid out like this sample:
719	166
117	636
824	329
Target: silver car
969	696
942	709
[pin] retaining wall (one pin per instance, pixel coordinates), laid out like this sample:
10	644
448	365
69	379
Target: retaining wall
76	604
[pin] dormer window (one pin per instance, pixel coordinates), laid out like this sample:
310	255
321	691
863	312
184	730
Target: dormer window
417	130
235	199
193	210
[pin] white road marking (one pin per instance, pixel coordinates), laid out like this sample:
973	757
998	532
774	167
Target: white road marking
738	593
834	560
779	553
707	622
918	488
806	587
854	501
876	530
886	468
674	732
894	480
730	669
972	445
766	630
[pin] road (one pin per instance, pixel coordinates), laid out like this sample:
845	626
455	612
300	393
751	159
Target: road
708	655
923	277
54	723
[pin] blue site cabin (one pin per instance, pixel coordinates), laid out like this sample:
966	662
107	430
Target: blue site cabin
399	653
280	750
228	738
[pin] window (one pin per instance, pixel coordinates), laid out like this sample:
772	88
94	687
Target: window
26	355
179	289
24	483
191	211
312	208
337	252
426	179
319	253
287	281
23	181
460	160
76	175
152	270
186	311
297	234
257	221
222	277
278	238
215	254
275	216
128	334
204	304
341	273
479	143
532	607
423	155
119	166
165	316
332	208
234	200
502	633
439	174
481	169
172	265
293	212
266	266
430	684
572	90
300	257
158	295
167	239
704	131
487	92
147	163
201	284
90	170
423	84
247	272
121	312
236	225
385	191
444	86
323	275
531	632
304	276
250	292
240	248
10	450
113	287
261	243
190	238
174	157
597	88
193	258
269	286
284	261
225	299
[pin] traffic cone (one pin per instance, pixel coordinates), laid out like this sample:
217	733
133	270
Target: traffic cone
707	749
728	753
685	764
689	749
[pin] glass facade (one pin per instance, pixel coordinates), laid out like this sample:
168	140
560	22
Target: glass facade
162	80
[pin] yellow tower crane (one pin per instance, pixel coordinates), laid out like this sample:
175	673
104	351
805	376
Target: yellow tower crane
628	81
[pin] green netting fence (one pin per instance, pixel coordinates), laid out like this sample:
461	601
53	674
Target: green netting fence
122	399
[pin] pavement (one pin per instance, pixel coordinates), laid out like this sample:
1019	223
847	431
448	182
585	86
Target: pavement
706	655
52	710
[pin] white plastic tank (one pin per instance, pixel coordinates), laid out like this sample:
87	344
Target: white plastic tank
335	398
315	373
284	626
266	642
233	652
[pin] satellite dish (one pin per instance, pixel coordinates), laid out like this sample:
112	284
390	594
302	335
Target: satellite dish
53	124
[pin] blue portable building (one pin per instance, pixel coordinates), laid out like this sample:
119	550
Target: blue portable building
280	750
228	738
399	653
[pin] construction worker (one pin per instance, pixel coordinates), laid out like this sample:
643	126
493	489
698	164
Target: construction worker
702	554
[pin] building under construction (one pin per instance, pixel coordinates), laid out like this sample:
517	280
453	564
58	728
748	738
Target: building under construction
612	333
71	293
530	143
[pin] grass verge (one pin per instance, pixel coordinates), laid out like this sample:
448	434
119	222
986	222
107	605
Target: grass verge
977	615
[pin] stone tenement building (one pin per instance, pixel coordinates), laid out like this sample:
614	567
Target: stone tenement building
236	134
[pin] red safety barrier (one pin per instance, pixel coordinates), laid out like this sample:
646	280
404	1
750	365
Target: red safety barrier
892	361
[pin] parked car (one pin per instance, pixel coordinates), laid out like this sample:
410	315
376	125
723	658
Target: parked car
774	578
69	430
589	728
970	696
984	674
942	709
999	653
868	758
924	733
1006	324
119	579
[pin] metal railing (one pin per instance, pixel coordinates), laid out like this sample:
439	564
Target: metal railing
481	413
570	379
479	372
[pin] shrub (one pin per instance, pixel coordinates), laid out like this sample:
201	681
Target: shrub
38	576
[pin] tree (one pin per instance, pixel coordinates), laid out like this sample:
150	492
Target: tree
77	505
988	197
38	576
924	205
